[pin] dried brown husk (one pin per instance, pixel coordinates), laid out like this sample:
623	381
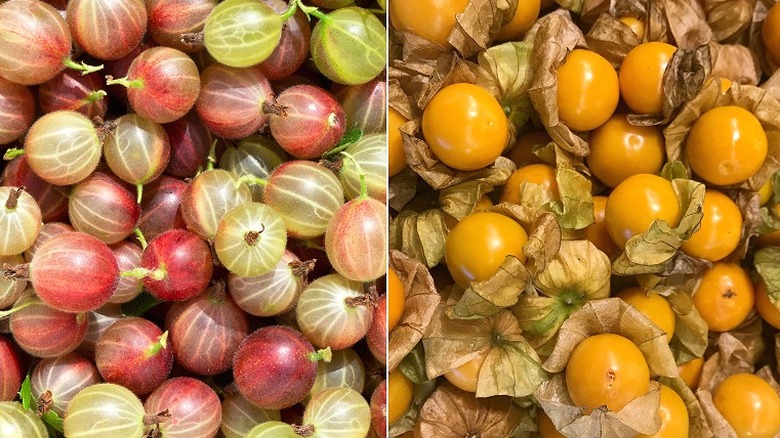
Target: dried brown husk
612	39
687	23
421	235
511	365
683	78
767	263
485	298
413	367
731	357
756	100
639	416
461	199
421	303
729	19
556	36
479	23
697	421
577	274
453	413
402	189
734	62
656	250
747	202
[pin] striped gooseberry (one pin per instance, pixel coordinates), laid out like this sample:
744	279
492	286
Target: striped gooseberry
307	121
239	416
274	292
274	429
376	338
334	312
17	110
208	197
45	332
354	31
345	370
306	195
293	48
20	220
63	147
103	409
206	331
190	143
62	377
160	206
133	352
194	408
48	230
18	422
250	239
378	405
170	20
370	155
72	91
254	155
232	99
104	208
52	202
128	257
107	29
10	370
338	412
356	238
99	321
163	84
365	105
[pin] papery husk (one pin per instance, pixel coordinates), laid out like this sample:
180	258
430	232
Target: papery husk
767	263
731	357
613	315
402	189
612	39
479	23
734	62
460	200
513	277
421	235
697	421
749	333
729	19
421	303
556	36
577	274
638	416
772	85
511	365
413	367
684	76
755	40
756	100
509	65
656	250
747	202
687	23
690	336
453	413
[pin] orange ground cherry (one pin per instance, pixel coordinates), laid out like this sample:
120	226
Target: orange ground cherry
727	145
478	245
606	369
396	298
724	296
465	127
719	231
525	16
540	174
690	372
749	404
597	231
395	145
522	153
588	90
637	26
432	19
768	311
770	33
674	416
400	394
465	376
546	427
642	76
619	149
765	193
653	306
636	203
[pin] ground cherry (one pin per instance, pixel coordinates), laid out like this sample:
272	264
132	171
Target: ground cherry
588	90
525	16
642	77
396	298
619	149
636	203
690	372
724	296
484	203
546	427
770	33
771	238
523	151
597	231
768	311
465	126
653	306
466	375
674	415
477	246
719	231
540	174
727	145
637	26
765	193
401	391
749	404
432	20
606	369
395	145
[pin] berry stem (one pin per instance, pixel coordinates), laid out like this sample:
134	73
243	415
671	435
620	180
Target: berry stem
137	83
11	311
83	67
302	269
95	96
292	8
250	238
311	10
140	236
321	355
156	274
303	430
12	153
194	39
212	159
251	179
156	419
13	198
17	272
217	291
361	174
44	402
160	345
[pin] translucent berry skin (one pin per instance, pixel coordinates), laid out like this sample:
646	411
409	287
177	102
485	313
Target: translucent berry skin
119	410
272	368
20	220
53	204
138	150
104	208
239	416
64	376
310	121
46	332
365	105
194	407
293	48
10	370
356	239
74	272
19	422
186	262
270	294
208	197
160	206
190	143
70	91
128	257
169	19
17	110
107	29
376	338
129	353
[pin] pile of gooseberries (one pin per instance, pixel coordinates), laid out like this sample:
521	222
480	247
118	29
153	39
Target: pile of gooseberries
177	182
